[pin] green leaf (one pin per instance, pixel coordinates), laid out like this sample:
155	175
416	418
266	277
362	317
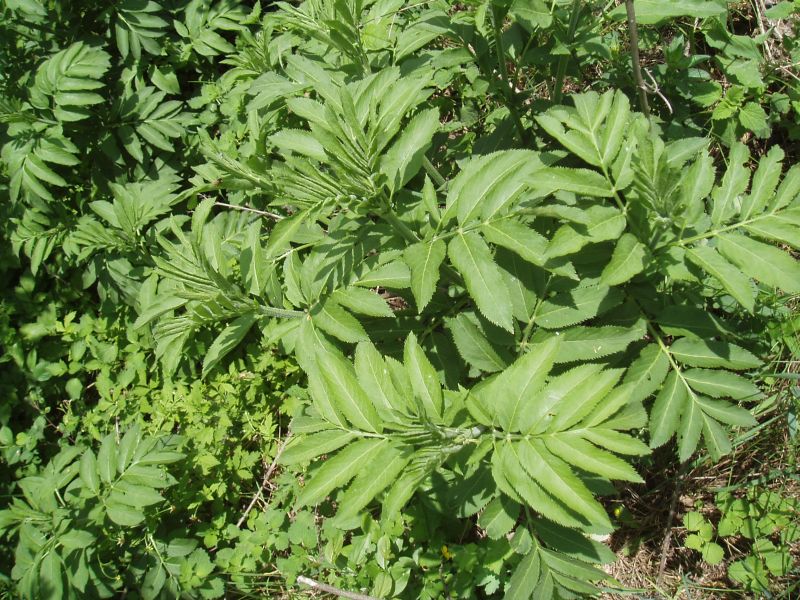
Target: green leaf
510	395
75	539
107	459
166	80
127	447
665	416
332	318
345	393
518	238
89	471
473	345
252	262
134	495
50	576
648	371
227	340
588	457
579	181
300	142
424	259
514	481
764	183
733	185
710	354
616	441
650	12
123	514
151	476
337	471
762	262
690	429
716	438
404	158
713	553
499	517
471	256
589	343
776	228
393	275
424	380
574	384
574	408
577	305
373	376
368	484
731	278
153	582
361	301
523	582
753	117
283	233
555	476
531	14
490	183
160	306
626	262
726	413
303	448
721	384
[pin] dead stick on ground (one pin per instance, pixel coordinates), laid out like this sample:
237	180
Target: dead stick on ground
324	587
264	481
673	504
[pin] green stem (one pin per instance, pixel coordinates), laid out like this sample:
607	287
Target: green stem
526	334
411	237
561	70
434	173
508	90
636	63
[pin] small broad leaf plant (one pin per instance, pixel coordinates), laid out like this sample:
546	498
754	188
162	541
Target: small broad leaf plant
523	324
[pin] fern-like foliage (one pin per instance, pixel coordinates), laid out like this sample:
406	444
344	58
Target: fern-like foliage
561	295
504	328
541	438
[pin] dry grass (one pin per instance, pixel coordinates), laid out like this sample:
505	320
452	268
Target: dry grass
771	457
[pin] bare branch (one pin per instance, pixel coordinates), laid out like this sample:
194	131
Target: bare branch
264	481
324	587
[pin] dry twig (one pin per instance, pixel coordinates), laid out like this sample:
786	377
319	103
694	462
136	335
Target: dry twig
264	481
332	590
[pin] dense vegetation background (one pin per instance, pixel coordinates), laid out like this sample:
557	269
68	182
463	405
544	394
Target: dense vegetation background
416	299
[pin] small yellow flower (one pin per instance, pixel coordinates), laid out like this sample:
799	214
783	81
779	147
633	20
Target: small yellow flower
446	553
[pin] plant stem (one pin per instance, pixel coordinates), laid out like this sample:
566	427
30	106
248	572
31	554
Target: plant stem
264	481
508	90
636	63
332	590
434	172
561	70
673	505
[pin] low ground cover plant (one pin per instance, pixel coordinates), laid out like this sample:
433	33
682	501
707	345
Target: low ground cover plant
398	299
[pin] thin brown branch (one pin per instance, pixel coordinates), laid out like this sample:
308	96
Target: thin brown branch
673	505
324	587
265	480
263	213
